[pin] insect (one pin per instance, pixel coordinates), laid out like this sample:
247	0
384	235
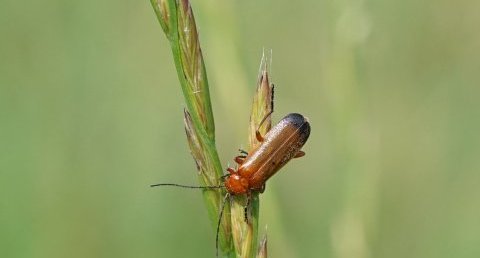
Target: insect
275	149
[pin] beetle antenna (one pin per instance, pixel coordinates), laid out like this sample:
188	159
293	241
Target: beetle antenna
220	221
273	96
191	186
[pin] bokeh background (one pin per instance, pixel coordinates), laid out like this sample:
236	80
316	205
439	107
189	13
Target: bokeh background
91	114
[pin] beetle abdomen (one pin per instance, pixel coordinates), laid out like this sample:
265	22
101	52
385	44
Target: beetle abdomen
280	145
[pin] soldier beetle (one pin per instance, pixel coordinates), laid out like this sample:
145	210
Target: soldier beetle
279	145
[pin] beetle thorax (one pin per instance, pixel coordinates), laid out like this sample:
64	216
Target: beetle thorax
236	184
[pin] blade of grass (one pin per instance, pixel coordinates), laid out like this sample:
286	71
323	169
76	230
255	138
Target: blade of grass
178	23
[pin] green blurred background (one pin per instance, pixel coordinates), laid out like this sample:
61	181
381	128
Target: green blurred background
91	114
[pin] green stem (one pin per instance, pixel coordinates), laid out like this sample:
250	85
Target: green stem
177	21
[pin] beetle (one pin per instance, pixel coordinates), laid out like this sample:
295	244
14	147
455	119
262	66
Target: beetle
282	143
276	148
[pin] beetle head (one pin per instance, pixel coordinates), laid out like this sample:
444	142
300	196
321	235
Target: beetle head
236	184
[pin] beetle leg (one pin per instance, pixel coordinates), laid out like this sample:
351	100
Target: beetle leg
299	154
239	159
231	170
245	209
259	136
262	189
257	133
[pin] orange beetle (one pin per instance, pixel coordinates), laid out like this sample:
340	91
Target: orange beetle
282	143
